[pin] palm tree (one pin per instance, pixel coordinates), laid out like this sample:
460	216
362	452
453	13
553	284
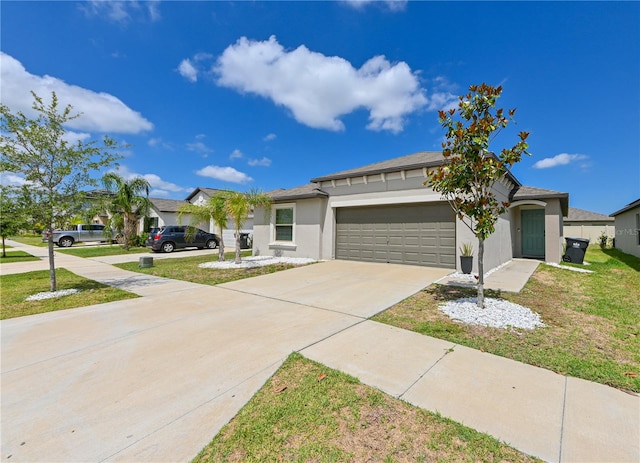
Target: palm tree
239	205
130	199
214	209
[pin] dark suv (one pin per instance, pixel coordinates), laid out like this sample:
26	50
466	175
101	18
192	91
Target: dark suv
171	237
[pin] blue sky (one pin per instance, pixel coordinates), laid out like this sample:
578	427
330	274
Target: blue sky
267	95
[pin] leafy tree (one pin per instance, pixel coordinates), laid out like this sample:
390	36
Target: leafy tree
130	200
12	216
467	177
56	169
238	206
214	209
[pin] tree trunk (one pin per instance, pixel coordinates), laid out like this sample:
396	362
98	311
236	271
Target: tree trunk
52	265
4	249
221	246
481	273
238	259
127	231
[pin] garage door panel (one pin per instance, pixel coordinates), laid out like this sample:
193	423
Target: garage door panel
411	234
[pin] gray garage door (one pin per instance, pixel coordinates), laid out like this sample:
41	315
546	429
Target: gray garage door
416	234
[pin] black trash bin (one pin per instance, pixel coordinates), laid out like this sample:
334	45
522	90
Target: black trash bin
244	240
576	247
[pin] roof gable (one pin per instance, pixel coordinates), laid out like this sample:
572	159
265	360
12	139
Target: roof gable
628	207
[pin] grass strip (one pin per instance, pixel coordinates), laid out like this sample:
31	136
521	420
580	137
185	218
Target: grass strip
593	320
296	417
186	269
98	251
16	288
16	256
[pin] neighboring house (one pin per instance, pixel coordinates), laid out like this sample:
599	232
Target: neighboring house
588	225
201	195
163	212
627	221
383	213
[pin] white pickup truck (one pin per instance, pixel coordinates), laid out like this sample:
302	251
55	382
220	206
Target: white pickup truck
79	233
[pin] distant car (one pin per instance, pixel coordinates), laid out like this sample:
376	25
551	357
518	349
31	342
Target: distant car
171	237
80	233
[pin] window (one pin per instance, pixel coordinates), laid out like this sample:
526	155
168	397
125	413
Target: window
283	223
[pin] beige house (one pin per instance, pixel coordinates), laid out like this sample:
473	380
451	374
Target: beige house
165	212
383	213
627	222
588	225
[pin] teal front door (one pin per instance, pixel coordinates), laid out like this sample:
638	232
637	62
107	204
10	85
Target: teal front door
533	233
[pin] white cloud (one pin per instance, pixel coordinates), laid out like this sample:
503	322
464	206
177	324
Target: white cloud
122	11
101	112
159	142
227	174
559	160
393	5
319	89
269	137
199	147
264	162
236	154
188	70
188	67
154	180
11	179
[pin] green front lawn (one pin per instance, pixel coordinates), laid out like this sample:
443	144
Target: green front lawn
186	268
310	413
593	320
98	251
16	288
16	256
30	239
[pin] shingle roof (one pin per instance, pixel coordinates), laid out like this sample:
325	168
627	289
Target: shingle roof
208	191
300	192
580	215
411	161
167	205
529	192
629	206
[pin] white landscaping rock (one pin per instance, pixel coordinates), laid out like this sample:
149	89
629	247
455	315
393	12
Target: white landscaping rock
52	294
257	261
497	313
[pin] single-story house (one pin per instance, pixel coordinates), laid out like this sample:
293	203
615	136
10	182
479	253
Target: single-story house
588	225
627	222
383	213
165	212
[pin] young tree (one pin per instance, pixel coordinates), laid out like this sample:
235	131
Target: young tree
467	177
56	169
239	205
130	200
214	209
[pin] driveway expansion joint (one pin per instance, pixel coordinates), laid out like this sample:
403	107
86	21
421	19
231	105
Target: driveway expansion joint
446	352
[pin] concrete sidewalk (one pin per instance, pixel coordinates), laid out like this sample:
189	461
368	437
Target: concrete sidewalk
553	417
94	269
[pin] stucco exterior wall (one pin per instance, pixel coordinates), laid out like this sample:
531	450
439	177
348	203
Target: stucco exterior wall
553	238
307	236
627	233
